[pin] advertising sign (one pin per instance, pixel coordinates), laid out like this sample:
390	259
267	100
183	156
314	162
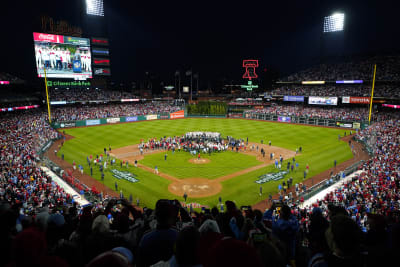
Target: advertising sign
355	100
100	51
102	71
293	98
283	119
45	37
177	114
391	106
313	82
130	100
76	41
359	100
344	125
356	125
92	122
345	99
101	61
19	108
58	102
128	119
62	84
4	82
67	124
130	177
113	120
274	176
99	41
151	117
322	100
350	81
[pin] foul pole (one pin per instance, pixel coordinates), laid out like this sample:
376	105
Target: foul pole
372	95
47	95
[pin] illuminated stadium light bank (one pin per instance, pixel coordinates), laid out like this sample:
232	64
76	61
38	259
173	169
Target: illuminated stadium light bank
334	23
95	7
250	65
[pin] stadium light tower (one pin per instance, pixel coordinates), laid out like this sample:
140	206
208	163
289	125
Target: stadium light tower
334	23
95	7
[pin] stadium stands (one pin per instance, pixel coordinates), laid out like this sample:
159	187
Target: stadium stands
357	224
110	110
11	78
358	114
381	90
80	94
388	70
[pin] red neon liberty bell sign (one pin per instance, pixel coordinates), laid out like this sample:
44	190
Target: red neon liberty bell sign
250	65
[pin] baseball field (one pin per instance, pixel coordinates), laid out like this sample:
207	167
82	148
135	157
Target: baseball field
229	175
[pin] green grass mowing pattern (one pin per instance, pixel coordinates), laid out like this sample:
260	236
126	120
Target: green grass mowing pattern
178	165
320	148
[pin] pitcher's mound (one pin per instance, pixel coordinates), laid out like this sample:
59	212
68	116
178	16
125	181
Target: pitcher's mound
199	161
195	187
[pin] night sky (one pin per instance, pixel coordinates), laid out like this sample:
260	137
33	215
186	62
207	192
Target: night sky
211	37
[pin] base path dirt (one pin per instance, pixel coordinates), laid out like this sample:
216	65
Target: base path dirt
195	187
359	153
202	187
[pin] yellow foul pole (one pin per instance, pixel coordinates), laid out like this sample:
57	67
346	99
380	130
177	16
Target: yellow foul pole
47	95
372	96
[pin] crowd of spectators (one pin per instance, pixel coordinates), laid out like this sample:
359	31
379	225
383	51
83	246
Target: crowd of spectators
90	94
343	113
388	69
11	78
70	113
381	90
355	225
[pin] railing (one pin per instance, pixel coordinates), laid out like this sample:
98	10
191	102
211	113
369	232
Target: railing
315	189
88	194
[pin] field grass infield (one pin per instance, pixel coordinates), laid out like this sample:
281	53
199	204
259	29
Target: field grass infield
222	163
320	148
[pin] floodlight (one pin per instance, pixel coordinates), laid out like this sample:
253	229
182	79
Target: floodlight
95	7
334	23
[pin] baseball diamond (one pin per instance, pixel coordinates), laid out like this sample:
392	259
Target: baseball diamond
230	174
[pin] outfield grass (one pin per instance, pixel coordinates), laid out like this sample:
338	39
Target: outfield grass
178	165
320	148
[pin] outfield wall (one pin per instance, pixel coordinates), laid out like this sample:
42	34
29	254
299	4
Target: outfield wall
113	120
305	120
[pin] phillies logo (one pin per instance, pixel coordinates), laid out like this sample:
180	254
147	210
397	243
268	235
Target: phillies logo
250	65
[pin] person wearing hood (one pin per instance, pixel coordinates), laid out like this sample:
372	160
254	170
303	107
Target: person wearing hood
284	227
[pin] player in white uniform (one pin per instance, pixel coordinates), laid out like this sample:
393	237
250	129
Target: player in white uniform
64	59
89	58
58	59
87	61
52	54
83	60
68	57
46	57
38	53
